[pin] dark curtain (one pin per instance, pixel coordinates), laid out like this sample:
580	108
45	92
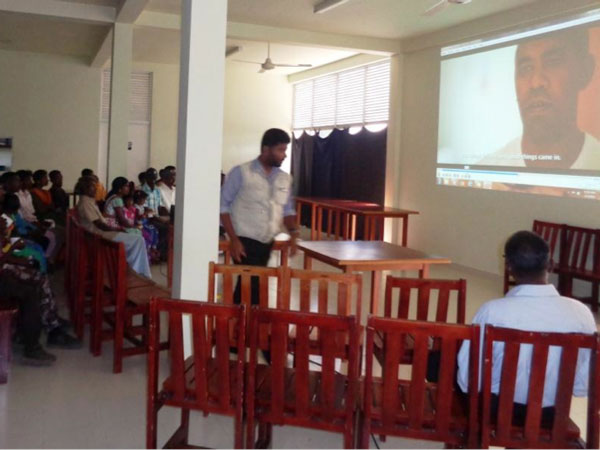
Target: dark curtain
341	165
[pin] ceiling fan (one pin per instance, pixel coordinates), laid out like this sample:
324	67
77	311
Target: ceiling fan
270	65
443	4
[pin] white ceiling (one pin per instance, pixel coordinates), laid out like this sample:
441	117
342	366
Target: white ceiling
374	18
25	32
393	19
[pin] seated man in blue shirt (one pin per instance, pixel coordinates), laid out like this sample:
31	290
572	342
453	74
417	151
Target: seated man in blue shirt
532	305
255	202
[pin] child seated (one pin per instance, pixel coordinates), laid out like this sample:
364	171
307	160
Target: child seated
149	231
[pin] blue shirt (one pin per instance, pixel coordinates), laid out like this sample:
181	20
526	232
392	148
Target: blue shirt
233	184
153	201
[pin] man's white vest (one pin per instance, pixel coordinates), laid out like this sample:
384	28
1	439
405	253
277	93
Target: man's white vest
257	211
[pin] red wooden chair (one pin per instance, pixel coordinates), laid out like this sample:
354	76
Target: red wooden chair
580	260
409	406
124	296
292	394
84	277
7	311
348	300
71	239
551	233
537	431
422	292
206	381
226	275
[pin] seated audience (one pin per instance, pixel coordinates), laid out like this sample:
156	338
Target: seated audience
52	238
100	190
36	244
27	210
141	179
59	197
114	207
167	188
91	218
157	213
532	305
42	199
149	231
22	272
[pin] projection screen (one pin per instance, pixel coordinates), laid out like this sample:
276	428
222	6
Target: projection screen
524	116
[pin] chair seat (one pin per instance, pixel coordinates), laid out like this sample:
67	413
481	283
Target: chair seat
213	386
263	393
458	416
142	295
135	280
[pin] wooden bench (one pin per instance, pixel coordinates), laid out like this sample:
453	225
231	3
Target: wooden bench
120	295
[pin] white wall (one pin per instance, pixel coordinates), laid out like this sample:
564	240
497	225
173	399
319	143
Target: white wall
50	105
253	103
467	225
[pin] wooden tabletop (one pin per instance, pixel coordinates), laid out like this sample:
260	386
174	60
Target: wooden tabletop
361	253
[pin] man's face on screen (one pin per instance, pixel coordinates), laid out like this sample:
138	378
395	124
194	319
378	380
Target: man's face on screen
547	84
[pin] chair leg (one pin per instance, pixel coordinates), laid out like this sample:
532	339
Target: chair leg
364	432
250	431
265	433
180	437
151	423
118	343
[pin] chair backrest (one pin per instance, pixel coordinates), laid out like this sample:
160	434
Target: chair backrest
551	232
334	333
71	260
534	435
89	244
228	275
113	267
213	389
409	405
447	291
579	248
345	298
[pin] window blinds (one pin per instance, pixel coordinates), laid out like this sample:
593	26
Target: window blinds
140	97
358	96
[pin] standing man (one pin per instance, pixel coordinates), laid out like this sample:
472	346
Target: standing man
167	188
255	201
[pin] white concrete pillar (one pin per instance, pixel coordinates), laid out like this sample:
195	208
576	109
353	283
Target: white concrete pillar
393	232
118	125
200	134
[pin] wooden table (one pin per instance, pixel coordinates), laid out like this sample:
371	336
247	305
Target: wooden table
345	214
369	256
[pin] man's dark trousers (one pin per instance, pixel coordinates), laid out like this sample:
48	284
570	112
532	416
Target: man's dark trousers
257	254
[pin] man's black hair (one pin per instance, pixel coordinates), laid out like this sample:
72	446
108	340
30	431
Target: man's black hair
527	254
87	172
39	174
11	203
273	137
142	177
169	167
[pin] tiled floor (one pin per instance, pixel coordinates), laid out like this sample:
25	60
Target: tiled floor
80	403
